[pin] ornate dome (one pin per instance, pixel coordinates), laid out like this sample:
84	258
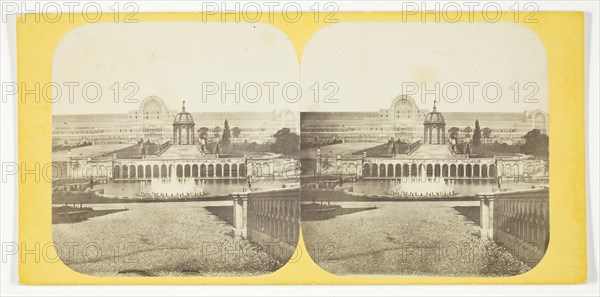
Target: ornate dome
404	104
183	118
434	117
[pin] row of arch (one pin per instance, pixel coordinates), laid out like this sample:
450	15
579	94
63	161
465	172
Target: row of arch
180	170
431	170
344	168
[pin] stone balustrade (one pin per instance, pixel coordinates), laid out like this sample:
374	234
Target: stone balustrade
517	220
413	147
269	218
163	147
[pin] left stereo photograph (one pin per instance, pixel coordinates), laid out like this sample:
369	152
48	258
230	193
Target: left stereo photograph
173	156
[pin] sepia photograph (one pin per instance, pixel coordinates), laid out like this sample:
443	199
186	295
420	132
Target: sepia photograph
180	184
299	148
415	176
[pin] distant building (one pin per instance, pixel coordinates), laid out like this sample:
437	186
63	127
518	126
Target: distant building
153	121
404	121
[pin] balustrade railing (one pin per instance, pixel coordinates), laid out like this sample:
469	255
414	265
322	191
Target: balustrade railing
270	218
413	147
276	214
163	147
451	148
518	220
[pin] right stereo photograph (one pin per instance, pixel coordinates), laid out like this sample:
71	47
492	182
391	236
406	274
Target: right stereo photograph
432	159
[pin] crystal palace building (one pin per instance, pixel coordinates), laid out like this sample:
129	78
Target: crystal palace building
153	121
404	120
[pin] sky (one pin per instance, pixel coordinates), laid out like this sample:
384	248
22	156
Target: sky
175	61
372	63
344	67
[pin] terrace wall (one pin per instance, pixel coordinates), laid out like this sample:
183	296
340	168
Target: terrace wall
517	220
270	219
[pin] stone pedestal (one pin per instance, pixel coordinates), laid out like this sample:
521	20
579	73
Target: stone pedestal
240	215
486	217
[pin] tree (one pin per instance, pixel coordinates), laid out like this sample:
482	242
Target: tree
235	132
203	132
487	132
401	147
468	131
286	142
226	137
392	146
536	144
453	132
252	146
477	135
217	130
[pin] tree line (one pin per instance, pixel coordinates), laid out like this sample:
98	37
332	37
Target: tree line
536	143
286	142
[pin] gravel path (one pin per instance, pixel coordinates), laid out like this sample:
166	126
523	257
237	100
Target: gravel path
406	238
156	239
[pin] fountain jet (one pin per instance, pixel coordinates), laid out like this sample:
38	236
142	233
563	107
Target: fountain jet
422	186
172	187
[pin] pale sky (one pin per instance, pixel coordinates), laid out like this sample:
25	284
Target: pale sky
371	61
367	62
172	60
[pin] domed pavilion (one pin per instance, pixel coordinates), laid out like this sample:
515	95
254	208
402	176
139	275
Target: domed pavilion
183	128
434	127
